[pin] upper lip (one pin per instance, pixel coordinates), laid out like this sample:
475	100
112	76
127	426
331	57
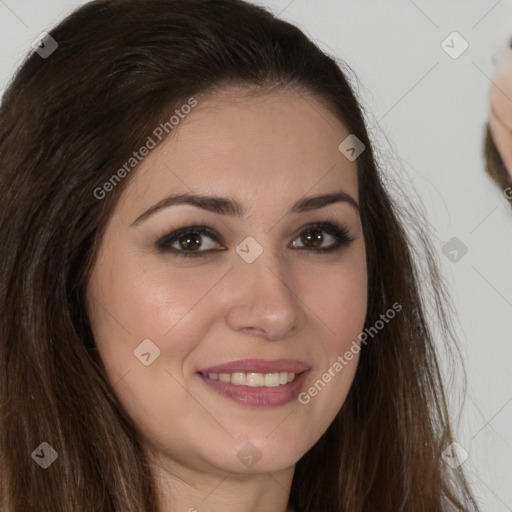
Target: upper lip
258	366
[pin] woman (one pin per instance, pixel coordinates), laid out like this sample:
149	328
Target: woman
498	135
208	300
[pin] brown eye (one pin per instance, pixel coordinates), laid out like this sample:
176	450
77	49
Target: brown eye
312	238
190	241
322	237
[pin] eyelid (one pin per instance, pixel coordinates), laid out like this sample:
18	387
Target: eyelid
164	242
341	234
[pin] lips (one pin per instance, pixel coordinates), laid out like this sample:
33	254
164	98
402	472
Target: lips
256	382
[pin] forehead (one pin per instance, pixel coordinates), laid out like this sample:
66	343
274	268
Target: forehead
265	146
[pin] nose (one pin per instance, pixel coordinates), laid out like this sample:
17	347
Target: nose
261	298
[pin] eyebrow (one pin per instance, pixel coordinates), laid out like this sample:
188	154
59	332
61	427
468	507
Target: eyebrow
232	207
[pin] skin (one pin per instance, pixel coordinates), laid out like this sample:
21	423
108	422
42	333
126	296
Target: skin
267	150
500	119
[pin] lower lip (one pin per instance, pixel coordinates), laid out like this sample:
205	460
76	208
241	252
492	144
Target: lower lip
260	396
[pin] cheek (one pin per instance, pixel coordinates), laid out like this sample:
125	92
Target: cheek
337	296
342	307
339	302
148	299
131	303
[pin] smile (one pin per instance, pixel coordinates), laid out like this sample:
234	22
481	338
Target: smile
257	383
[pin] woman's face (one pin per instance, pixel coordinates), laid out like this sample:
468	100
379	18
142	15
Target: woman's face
274	289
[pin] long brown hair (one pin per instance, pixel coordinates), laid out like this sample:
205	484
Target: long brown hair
69	121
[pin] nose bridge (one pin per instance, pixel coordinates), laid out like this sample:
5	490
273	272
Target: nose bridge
266	274
261	292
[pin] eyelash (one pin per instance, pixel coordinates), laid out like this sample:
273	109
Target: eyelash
341	235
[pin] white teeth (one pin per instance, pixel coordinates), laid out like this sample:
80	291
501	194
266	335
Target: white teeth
239	378
254	380
271	380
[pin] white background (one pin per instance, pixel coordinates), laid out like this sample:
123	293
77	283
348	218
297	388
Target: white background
430	110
